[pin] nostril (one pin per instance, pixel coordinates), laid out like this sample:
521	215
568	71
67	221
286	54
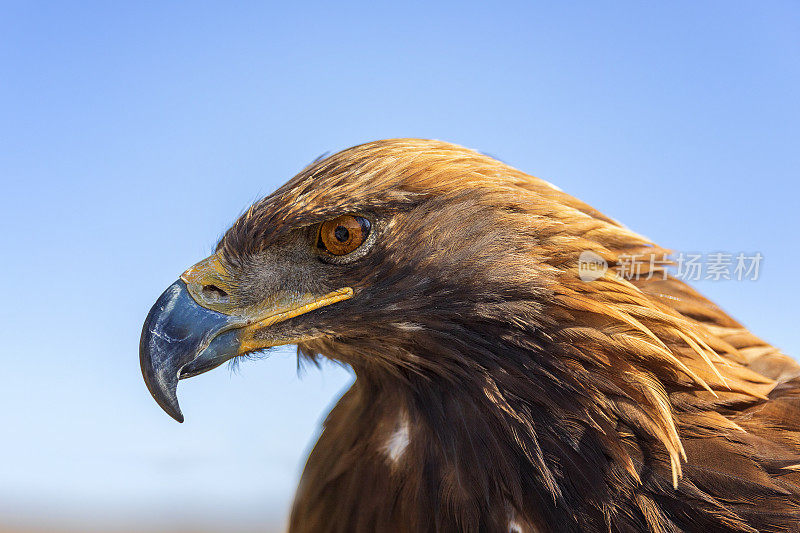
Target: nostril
214	293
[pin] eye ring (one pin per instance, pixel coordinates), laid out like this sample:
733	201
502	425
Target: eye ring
343	234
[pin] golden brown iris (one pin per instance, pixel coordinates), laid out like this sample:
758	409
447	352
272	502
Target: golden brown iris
343	234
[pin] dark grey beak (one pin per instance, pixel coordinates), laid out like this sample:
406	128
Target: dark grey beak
181	339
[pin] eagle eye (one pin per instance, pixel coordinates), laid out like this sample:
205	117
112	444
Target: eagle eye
343	234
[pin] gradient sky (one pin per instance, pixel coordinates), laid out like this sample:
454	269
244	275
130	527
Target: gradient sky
132	135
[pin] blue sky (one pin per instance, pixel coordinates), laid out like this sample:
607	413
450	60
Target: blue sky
133	134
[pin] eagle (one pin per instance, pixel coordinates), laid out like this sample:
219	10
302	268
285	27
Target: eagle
497	388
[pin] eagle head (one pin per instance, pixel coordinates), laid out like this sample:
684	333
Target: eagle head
402	257
525	394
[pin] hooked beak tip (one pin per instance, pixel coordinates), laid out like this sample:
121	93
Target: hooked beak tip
165	393
174	412
169	403
162	386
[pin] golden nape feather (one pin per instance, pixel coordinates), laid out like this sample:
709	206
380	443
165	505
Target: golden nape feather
498	388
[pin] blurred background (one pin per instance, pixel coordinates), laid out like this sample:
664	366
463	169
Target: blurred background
132	135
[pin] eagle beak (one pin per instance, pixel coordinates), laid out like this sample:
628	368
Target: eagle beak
194	328
177	332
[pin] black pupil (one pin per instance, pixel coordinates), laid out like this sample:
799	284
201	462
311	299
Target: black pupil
341	234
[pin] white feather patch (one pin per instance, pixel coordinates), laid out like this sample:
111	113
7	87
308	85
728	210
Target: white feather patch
398	441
